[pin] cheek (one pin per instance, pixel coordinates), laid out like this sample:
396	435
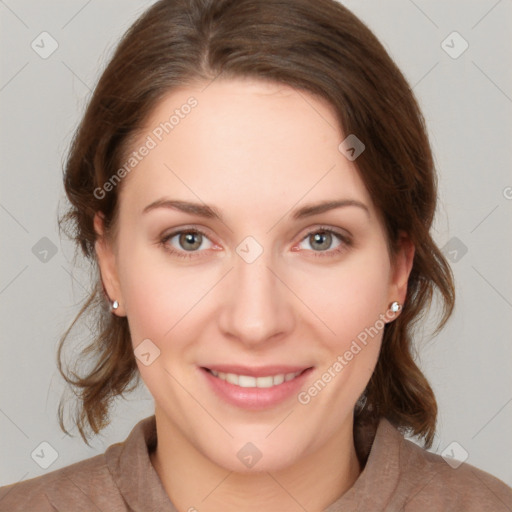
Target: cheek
350	301
158	294
348	297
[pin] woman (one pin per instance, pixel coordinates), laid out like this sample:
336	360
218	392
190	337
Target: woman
254	181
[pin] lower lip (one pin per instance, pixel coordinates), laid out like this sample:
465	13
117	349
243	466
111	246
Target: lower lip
255	398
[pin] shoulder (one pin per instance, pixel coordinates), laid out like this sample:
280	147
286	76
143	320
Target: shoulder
85	485
433	483
122	474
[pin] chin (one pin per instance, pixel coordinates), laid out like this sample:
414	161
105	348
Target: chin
262	461
248	455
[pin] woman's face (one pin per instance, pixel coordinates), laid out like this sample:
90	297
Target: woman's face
256	279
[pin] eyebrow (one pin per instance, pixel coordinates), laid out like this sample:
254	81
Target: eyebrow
210	212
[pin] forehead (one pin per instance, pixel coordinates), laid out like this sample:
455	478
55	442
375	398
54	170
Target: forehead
244	141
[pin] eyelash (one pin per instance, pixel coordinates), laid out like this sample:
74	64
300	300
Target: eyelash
345	242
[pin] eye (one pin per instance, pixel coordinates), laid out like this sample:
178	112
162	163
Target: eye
186	243
321	240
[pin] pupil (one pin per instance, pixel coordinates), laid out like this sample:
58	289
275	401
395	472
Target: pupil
188	238
318	238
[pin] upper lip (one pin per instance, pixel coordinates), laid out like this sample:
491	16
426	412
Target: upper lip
256	371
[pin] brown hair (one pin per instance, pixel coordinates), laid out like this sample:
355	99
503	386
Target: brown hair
317	46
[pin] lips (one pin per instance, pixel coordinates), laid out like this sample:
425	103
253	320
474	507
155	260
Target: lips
255	387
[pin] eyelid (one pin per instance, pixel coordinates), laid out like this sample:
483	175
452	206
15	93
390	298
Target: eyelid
342	233
185	229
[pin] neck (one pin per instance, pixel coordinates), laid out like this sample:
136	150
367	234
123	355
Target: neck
195	483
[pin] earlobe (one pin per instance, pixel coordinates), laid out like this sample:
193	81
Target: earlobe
107	266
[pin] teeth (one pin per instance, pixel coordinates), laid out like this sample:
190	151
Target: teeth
246	381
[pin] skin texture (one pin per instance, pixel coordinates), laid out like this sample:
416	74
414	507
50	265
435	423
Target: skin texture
256	151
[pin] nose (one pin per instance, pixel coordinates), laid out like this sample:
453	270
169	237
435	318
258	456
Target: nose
257	305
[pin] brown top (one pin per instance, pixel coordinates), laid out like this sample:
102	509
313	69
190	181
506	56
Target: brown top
398	476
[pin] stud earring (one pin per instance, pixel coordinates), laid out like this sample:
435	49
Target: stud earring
114	306
395	307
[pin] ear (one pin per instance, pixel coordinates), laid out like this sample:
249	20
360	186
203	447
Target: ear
107	263
401	269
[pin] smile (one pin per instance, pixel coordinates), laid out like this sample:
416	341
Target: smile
254	388
248	381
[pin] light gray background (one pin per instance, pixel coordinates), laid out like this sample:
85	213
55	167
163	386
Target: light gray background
467	103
